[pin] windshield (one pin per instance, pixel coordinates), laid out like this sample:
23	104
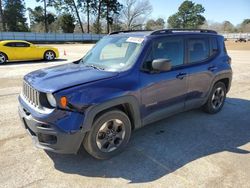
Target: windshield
113	53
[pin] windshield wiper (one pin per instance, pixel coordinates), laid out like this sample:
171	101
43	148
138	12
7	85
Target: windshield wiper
95	67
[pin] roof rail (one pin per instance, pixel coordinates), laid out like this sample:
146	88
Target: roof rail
127	31
166	31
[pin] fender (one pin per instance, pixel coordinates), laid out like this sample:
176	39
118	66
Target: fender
131	102
224	75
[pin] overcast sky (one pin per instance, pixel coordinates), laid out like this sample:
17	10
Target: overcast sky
215	10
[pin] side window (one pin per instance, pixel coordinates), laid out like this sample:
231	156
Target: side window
10	44
22	44
198	49
171	48
214	49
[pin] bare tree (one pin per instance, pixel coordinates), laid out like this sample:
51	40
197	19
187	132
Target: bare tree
213	25
135	12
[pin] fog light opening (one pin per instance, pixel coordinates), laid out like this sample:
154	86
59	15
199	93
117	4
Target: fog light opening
46	138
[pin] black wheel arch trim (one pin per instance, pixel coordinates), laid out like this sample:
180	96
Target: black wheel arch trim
130	101
225	75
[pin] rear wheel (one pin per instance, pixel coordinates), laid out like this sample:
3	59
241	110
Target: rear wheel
109	135
3	58
216	99
49	55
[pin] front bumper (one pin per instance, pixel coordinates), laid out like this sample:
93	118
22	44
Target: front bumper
48	136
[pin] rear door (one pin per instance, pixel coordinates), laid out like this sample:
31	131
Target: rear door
200	56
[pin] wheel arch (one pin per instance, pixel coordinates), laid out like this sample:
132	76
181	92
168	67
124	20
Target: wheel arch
225	81
127	104
7	57
226	78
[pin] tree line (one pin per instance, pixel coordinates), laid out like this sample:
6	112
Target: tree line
103	16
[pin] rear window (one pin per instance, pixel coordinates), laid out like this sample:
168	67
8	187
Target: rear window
198	49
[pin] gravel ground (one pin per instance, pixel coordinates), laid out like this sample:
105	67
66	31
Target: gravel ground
192	149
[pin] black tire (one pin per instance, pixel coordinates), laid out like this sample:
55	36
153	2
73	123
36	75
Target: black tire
99	133
212	106
3	58
49	55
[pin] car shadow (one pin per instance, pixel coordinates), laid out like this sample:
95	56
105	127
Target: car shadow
163	147
32	62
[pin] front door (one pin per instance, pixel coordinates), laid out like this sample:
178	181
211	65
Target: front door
164	93
24	51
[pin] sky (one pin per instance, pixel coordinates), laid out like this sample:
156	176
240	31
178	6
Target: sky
234	11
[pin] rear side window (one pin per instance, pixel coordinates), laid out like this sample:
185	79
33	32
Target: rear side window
171	48
22	44
214	49
198	49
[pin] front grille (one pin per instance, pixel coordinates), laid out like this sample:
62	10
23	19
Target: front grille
31	95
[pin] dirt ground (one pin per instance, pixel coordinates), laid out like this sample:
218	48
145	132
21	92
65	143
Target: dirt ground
232	45
192	149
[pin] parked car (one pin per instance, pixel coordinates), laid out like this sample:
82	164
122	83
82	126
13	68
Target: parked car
241	40
128	80
18	50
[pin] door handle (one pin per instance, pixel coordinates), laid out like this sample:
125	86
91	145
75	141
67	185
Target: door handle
212	68
181	75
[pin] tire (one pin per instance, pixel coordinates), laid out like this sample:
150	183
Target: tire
216	99
49	55
3	58
109	135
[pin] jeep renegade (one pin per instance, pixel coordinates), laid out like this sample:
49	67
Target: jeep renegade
127	80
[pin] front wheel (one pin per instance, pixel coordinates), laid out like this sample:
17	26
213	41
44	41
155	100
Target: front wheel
109	135
49	55
216	99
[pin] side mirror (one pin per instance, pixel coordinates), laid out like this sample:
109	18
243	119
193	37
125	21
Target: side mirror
161	65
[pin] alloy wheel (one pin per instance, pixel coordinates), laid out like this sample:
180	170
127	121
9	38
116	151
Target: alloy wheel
49	55
2	58
110	135
218	98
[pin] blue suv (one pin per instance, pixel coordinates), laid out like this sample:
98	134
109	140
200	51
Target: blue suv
129	79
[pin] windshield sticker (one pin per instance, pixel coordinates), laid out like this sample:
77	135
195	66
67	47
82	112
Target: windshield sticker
135	40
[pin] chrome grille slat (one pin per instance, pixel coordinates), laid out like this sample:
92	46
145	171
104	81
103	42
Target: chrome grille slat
31	95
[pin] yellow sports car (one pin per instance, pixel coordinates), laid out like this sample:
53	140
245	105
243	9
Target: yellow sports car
14	50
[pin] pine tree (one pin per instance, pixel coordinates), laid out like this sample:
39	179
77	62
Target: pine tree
14	15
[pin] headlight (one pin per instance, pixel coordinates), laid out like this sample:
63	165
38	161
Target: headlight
51	99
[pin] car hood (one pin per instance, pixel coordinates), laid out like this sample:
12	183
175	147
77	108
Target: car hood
64	76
